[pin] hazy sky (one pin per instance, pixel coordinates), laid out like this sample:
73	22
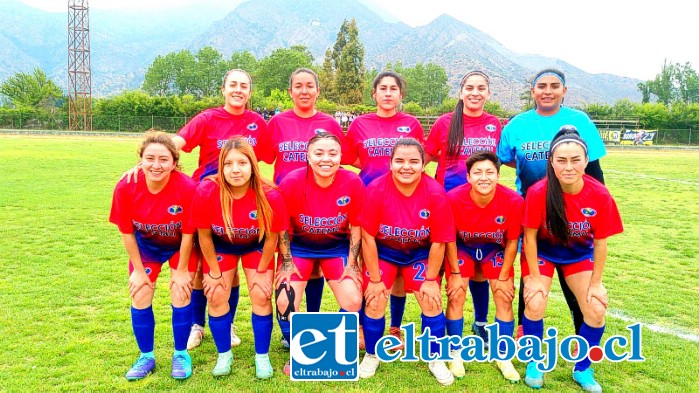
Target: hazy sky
622	37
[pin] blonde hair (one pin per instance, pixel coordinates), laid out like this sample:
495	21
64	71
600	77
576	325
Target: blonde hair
257	183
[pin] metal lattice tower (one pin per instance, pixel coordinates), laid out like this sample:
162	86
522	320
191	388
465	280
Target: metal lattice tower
79	74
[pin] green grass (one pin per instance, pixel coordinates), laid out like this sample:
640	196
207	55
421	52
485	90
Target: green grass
65	306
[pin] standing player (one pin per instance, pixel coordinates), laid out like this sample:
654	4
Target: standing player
568	217
323	202
285	143
153	218
525	145
238	215
370	139
405	232
209	130
453	138
487	217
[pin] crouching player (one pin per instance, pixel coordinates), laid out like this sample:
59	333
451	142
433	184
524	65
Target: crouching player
153	218
238	216
487	217
405	231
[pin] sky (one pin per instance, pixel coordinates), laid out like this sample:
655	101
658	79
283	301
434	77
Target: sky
620	37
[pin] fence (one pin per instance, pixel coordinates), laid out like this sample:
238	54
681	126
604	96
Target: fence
19	121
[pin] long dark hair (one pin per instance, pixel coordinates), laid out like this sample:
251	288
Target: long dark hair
556	218
456	127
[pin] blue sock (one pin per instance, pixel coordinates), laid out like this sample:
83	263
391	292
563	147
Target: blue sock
533	328
341	310
593	336
506	329
262	332
285	327
314	294
181	323
373	331
455	327
221	331
198	307
361	312
437	325
143	323
233	301
480	292
397	310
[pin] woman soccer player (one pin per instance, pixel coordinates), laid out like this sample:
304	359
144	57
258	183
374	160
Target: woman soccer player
370	139
404	231
525	145
238	216
286	144
209	130
488	217
323	202
453	138
153	218
568	217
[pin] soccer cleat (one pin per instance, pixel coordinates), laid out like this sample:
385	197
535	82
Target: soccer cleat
508	370
223	364
368	366
235	340
396	332
143	366
181	366
196	334
480	332
533	377
456	365
586	379
441	372
263	368
287	368
362	345
575	350
284	343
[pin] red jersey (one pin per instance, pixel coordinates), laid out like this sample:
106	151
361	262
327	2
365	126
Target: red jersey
371	139
320	218
211	129
207	213
406	227
285	141
483	231
592	214
480	133
157	220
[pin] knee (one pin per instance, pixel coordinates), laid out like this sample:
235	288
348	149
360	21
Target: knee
219	300
143	298
501	302
457	300
536	307
594	315
258	298
351	302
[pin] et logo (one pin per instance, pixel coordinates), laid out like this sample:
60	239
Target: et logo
324	346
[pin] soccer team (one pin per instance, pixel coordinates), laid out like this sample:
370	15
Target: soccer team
391	229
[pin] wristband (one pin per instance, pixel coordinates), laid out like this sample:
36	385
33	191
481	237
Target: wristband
261	272
507	279
214	278
457	272
374	282
430	279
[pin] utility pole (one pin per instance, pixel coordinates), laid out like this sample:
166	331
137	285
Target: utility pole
79	75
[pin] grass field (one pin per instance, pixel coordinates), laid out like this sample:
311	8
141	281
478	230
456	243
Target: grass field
65	306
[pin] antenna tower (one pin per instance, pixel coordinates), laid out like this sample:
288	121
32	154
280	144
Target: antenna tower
79	75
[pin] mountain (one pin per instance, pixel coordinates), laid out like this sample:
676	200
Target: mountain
124	43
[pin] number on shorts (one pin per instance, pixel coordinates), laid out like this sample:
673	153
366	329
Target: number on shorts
420	275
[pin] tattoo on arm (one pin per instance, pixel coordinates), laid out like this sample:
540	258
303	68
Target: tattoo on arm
355	248
287	260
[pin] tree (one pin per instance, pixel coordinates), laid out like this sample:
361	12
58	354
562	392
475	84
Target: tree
243	60
350	69
274	70
31	90
327	78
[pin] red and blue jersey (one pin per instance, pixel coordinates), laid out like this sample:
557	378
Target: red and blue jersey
483	231
371	139
320	218
480	133
211	129
406	226
157	220
592	214
285	141
207	214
